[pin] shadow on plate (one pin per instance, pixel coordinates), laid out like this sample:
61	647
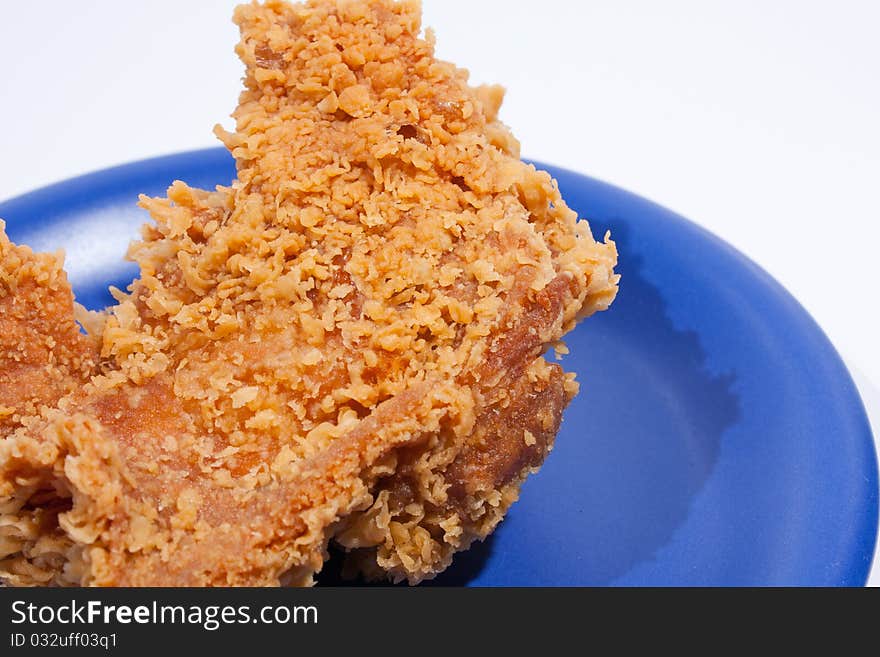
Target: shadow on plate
463	570
642	439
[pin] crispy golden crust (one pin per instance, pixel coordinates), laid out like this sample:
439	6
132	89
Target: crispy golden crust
43	357
43	353
444	495
357	304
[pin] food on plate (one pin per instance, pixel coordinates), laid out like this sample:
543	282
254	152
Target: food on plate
43	354
43	357
343	345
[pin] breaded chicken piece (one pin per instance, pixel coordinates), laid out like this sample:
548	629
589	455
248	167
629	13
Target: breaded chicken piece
43	353
442	498
344	342
43	357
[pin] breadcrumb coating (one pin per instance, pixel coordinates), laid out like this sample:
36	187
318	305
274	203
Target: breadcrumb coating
345	343
43	353
43	357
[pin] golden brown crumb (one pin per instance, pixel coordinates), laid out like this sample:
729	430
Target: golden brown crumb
43	353
43	357
351	331
441	499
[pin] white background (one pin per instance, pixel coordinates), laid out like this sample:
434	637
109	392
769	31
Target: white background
758	120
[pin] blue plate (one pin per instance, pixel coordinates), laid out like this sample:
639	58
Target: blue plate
718	438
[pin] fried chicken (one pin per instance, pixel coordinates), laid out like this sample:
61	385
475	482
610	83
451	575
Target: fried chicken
444	496
43	353
345	343
43	357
